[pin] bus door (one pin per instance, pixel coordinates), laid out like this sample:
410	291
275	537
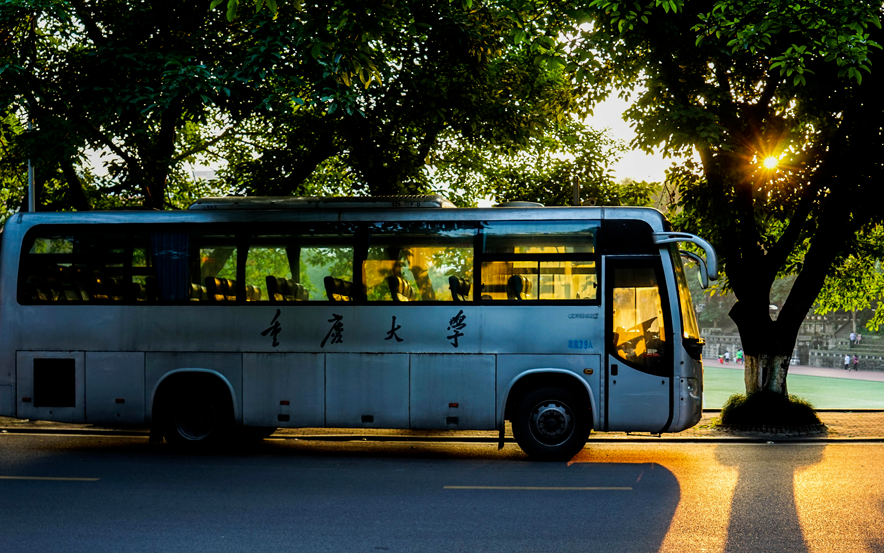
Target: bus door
638	376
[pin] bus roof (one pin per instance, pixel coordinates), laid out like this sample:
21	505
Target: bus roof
306	202
269	210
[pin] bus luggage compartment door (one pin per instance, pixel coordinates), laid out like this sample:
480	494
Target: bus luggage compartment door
452	391
366	390
50	385
283	389
115	387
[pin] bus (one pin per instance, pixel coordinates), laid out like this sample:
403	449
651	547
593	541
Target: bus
245	315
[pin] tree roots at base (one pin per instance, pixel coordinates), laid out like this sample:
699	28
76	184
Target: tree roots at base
767	409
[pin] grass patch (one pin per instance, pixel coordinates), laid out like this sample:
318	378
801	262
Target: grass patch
767	409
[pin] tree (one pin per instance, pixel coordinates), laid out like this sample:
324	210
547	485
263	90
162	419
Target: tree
858	283
436	73
125	78
544	170
741	82
373	84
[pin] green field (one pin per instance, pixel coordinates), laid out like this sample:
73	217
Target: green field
822	392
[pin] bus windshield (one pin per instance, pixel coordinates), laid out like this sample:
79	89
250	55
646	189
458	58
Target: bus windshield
690	328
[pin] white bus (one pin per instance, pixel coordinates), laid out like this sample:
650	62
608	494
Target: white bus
261	313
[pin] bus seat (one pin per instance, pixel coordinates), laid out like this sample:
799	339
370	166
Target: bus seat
275	288
400	289
106	289
115	288
253	293
70	291
221	289
151	289
285	289
198	292
139	291
41	289
337	289
460	288
517	286
214	289
301	293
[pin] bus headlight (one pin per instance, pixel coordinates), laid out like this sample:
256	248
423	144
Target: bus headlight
693	387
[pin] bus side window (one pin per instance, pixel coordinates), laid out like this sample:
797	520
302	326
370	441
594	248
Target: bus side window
419	263
540	260
639	336
509	280
269	272
212	271
321	262
88	266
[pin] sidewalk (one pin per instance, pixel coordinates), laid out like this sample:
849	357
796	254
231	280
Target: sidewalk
841	425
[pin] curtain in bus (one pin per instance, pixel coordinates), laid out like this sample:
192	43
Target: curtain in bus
171	254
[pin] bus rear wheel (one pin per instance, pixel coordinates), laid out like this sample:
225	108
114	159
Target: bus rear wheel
551	424
195	417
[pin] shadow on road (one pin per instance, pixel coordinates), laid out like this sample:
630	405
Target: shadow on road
332	496
763	515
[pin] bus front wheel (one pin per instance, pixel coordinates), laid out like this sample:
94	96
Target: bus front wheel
551	424
197	416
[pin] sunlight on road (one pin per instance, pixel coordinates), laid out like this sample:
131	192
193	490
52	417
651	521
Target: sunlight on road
796	497
706	488
841	510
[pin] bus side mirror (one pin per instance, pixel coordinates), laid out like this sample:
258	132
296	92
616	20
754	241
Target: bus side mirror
711	265
703	273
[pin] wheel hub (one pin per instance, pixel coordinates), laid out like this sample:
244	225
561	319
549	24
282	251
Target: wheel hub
195	422
551	420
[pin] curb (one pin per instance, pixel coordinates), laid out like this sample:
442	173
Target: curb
768	438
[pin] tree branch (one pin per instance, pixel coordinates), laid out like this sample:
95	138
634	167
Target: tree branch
204	146
75	187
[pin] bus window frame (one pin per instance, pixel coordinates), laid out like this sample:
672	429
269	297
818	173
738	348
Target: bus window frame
370	230
612	262
62	229
241	233
357	234
482	257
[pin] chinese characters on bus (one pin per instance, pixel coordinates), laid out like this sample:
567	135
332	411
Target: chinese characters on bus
457	324
275	328
392	332
336	332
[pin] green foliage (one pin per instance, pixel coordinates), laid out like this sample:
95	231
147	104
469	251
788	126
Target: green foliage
13	179
339	97
858	282
420	78
544	170
124	78
768	409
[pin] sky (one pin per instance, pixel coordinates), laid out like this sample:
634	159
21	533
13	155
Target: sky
634	164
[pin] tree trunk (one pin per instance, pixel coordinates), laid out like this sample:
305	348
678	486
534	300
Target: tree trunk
767	347
766	373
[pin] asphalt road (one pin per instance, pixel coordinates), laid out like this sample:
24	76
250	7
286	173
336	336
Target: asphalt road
82	493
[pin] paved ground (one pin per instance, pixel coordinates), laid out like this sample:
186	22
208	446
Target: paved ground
86	493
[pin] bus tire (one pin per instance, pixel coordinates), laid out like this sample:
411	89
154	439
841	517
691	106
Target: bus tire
551	424
197	416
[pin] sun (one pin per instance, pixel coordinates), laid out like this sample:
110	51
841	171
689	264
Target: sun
770	162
